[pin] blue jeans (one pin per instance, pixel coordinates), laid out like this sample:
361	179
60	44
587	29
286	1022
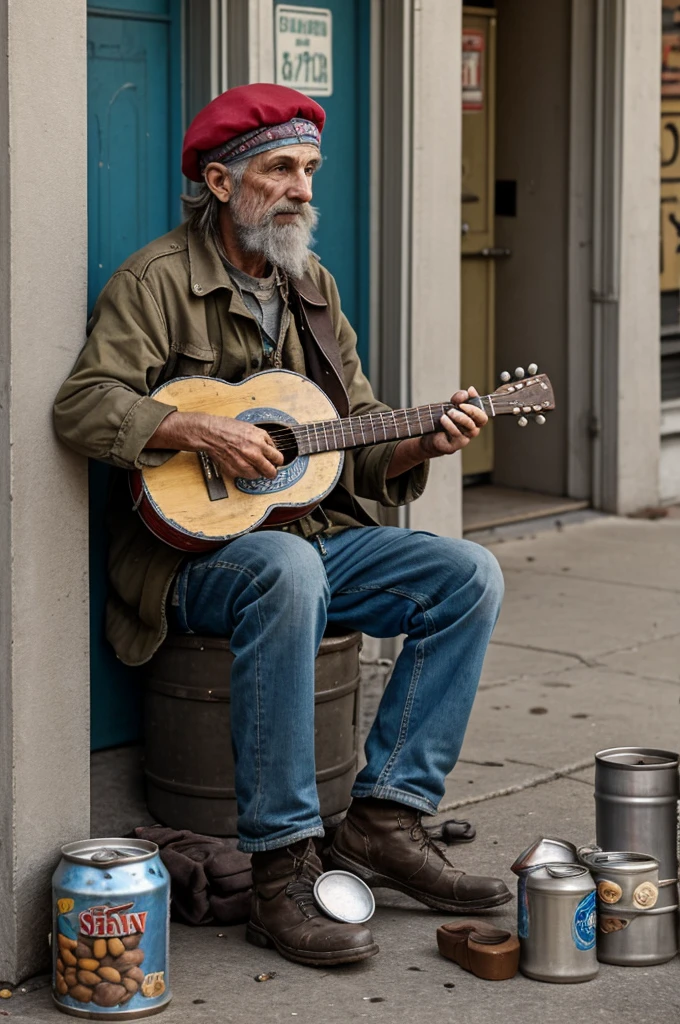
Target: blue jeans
273	593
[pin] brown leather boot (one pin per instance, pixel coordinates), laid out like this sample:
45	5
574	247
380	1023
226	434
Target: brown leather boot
284	914
385	844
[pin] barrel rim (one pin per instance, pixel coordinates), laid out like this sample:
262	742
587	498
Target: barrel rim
192	641
671	758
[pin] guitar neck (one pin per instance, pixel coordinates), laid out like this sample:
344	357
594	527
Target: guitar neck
376	427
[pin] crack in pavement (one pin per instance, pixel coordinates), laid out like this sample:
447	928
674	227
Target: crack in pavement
557	773
589	579
587	662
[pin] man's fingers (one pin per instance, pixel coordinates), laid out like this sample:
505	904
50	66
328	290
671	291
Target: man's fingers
261	461
465	424
477	415
459	397
449	426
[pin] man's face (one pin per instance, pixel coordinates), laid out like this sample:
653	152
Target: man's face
280	177
270	206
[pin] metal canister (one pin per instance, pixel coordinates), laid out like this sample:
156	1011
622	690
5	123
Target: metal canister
110	934
560	944
632	928
636	795
544	850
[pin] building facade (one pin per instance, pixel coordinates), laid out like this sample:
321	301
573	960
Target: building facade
514	148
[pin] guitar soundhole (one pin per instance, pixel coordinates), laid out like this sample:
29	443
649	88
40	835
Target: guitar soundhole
284	439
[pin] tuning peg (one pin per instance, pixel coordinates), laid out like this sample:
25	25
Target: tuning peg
532	368
519	373
505	376
522	421
540	420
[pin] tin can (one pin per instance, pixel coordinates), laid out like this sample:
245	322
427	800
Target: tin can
560	941
635	926
111	909
544	850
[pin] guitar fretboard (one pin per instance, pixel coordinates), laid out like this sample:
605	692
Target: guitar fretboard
371	428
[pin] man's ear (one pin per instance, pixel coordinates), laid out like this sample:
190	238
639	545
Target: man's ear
218	181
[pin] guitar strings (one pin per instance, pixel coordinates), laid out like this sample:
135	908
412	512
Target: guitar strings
371	422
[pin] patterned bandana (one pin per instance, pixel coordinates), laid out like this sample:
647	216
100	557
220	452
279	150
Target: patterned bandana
262	139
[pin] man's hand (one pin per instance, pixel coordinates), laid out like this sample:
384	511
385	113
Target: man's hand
459	426
236	447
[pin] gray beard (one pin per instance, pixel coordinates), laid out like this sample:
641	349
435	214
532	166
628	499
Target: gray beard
283	245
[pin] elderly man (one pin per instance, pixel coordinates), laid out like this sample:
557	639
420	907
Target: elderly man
226	294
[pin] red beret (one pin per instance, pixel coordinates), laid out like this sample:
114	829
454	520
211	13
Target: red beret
239	111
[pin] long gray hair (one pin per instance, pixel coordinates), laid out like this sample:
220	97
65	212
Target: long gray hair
202	207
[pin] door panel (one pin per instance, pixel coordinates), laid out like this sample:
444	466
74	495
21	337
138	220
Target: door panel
341	186
477	217
133	189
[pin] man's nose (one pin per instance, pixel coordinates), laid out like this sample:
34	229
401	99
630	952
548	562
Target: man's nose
300	188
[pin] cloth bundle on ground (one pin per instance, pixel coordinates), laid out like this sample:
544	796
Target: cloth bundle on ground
210	879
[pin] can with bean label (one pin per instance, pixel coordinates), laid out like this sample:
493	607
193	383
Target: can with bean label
111	904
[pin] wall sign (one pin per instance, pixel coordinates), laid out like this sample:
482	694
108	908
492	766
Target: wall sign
473	69
304	49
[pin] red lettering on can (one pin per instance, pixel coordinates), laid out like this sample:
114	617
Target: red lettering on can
105	922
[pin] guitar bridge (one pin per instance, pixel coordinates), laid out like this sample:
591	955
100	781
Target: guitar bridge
214	483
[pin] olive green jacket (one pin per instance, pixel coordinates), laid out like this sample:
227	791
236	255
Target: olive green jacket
171	311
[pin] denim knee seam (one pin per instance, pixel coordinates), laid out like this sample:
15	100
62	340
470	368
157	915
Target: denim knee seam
410	697
233	567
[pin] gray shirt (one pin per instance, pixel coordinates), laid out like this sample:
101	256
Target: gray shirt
264	298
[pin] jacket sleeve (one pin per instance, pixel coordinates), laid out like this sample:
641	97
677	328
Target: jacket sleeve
103	409
371	464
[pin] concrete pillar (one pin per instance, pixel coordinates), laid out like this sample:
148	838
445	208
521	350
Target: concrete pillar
435	242
625	291
44	666
639	394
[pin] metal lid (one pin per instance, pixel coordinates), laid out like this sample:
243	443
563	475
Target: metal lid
545	850
638	758
616	861
562	879
107	853
344	897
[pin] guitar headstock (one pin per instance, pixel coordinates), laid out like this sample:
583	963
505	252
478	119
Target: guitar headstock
524	396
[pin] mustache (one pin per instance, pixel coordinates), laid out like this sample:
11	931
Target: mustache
303	210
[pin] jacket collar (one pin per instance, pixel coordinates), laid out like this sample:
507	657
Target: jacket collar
206	270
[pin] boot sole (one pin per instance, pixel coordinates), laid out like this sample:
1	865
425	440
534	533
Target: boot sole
377	881
257	936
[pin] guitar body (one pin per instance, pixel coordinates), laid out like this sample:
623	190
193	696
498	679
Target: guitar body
174	499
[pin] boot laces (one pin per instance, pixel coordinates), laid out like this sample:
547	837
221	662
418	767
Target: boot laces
419	834
301	887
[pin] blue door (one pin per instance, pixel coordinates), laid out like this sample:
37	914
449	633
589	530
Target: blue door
341	187
134	140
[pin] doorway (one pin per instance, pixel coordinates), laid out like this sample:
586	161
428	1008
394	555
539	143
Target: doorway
341	187
134	129
515	248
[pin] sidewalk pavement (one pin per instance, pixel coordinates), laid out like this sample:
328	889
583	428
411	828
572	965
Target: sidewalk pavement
586	655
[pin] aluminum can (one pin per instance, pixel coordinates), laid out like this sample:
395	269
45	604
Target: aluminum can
110	933
560	941
632	928
544	850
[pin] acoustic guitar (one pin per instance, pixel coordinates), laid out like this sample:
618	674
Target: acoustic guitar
191	506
